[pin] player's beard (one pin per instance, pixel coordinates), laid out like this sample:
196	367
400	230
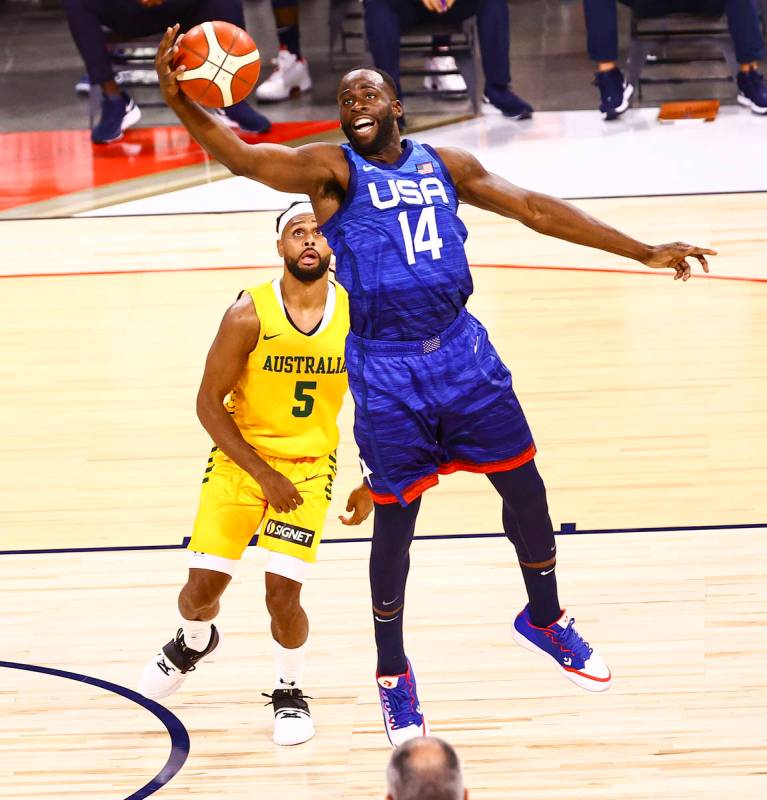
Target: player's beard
307	275
382	138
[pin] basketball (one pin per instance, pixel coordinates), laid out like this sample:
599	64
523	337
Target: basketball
221	63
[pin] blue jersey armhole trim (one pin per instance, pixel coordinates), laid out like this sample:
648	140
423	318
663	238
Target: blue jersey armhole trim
445	171
351	189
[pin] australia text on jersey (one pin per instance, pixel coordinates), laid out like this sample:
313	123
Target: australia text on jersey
305	365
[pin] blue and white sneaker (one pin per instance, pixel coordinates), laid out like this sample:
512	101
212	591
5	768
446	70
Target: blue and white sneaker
578	661
511	105
117	115
402	714
614	91
752	91
243	116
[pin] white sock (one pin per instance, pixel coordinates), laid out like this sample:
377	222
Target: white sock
289	666
196	634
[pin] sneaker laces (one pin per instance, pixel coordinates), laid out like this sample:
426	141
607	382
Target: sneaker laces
573	641
184	649
293	696
399	706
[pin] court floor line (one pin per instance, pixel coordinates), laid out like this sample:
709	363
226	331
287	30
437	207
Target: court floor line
566	529
179	736
539	267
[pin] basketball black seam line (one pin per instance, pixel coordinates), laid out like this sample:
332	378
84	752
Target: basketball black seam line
228	53
184	46
221	69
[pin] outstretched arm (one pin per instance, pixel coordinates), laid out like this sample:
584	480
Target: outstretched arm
288	169
554	217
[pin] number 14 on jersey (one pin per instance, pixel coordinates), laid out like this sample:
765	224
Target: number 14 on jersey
426	237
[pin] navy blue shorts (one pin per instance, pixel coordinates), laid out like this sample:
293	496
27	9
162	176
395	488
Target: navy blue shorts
434	406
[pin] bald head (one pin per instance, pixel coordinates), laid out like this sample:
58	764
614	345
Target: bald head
370	76
425	768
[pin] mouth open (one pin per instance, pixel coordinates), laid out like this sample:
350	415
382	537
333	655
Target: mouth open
309	258
363	125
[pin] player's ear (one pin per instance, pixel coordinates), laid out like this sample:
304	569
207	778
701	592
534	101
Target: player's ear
397	108
280	251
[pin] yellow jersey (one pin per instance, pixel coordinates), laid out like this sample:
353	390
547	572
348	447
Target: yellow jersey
286	401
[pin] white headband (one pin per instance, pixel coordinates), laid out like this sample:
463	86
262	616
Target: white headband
304	207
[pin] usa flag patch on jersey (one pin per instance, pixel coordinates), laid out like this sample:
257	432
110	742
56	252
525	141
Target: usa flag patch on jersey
426	168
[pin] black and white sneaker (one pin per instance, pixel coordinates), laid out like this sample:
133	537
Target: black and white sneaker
169	668
614	93
292	719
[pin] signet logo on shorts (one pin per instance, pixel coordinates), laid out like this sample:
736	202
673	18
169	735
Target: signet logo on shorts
289	533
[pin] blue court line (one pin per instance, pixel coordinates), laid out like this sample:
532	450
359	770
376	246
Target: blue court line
115	549
566	529
179	737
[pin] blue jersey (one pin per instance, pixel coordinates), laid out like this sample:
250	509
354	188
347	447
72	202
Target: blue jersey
399	246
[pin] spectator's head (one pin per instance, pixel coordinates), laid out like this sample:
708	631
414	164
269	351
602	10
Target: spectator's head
425	768
368	108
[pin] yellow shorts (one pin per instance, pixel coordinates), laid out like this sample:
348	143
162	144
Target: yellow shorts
233	508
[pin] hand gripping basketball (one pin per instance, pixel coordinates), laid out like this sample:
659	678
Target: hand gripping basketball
222	64
217	62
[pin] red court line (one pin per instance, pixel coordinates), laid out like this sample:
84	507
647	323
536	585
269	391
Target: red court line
539	267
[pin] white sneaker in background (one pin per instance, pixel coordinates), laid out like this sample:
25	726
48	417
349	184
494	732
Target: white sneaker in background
291	77
443	83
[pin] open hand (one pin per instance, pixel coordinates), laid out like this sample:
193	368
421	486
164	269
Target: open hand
674	256
280	493
163	63
360	503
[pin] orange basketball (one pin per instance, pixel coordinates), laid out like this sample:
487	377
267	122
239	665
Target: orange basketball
222	64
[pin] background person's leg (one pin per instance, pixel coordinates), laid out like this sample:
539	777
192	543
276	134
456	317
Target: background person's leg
291	76
601	18
745	29
384	21
602	42
494	43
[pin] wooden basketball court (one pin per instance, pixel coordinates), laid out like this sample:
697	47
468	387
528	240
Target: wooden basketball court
647	400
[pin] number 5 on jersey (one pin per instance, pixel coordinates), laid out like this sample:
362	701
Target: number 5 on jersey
426	237
301	395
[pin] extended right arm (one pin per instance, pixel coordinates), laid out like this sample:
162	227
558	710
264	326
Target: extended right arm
299	170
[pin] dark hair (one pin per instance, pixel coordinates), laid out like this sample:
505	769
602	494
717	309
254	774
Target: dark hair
409	780
387	79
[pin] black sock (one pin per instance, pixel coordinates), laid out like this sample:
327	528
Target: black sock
528	526
541	585
393	529
389	643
